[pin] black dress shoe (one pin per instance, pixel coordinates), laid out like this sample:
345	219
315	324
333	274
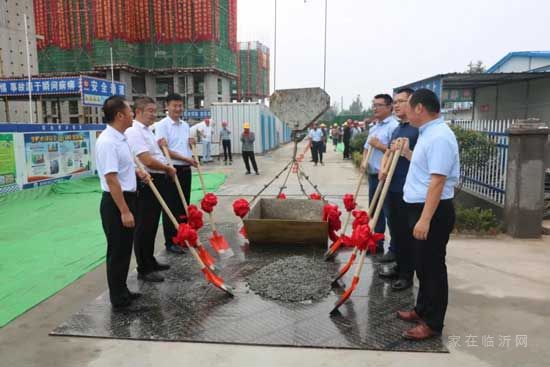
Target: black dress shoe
160	267
389	273
151	277
388	257
402	284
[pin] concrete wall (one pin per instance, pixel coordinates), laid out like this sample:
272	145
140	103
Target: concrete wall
518	64
519	100
12	38
211	94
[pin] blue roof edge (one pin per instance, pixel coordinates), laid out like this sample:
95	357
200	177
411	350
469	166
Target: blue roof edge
517	53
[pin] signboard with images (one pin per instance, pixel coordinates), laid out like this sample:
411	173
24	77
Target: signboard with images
457	95
7	160
95	91
197	114
56	155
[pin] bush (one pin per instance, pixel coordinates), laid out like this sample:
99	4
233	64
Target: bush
357	158
358	142
476	220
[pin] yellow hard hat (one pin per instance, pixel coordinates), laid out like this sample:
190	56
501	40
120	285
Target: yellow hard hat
323	125
346	123
246	125
335	125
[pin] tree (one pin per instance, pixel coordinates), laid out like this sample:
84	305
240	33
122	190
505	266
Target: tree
356	107
475	68
331	113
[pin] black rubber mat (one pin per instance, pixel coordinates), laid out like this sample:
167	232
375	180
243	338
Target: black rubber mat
186	308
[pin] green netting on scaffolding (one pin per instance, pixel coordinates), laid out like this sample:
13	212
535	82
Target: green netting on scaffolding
51	236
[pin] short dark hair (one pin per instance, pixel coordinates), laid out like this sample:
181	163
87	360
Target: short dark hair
426	98
173	97
112	106
409	91
140	103
388	100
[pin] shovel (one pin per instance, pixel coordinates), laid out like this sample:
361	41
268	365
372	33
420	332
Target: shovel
208	274
218	242
203	252
371	208
372	223
338	243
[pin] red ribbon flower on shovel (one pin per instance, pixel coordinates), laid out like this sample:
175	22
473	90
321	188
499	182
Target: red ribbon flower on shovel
364	239
209	202
281	196
185	236
331	214
349	202
194	219
315	196
241	209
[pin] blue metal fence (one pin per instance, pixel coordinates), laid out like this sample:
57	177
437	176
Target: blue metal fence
488	180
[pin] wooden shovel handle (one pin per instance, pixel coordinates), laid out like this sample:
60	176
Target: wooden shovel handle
176	181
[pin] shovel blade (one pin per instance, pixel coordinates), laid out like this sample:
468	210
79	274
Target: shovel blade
216	281
333	248
345	268
346	295
220	245
206	258
242	231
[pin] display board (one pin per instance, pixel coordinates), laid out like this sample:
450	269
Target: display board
7	160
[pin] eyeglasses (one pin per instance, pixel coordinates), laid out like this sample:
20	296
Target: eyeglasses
398	101
379	105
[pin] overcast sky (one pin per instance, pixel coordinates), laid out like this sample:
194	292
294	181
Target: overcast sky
373	46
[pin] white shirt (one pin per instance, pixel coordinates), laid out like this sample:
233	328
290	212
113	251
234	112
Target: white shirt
382	130
316	135
112	155
206	133
176	134
141	139
435	152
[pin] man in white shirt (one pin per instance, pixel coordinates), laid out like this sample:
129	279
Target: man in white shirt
117	175
176	134
206	138
316	137
143	144
379	139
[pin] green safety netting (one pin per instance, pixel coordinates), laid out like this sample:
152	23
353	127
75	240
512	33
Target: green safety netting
51	236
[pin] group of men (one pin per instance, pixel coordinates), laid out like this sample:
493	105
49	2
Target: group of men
130	212
418	208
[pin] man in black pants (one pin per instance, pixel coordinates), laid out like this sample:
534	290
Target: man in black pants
401	244
144	146
428	192
225	138
175	132
247	146
346	137
316	137
117	175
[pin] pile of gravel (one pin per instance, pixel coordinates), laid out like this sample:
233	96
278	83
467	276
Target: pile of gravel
293	279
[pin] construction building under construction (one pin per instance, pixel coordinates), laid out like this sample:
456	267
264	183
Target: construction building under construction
252	82
156	47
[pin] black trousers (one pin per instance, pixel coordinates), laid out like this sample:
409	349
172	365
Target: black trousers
318	148
147	221
346	149
249	156
401	235
431	270
119	245
227	150
173	200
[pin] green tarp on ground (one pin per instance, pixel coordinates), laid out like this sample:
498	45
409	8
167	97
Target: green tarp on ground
51	236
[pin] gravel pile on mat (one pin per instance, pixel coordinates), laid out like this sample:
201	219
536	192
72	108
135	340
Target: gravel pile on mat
293	279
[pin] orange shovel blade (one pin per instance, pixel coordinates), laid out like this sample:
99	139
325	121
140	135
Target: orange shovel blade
346	294
216	280
220	245
333	248
346	267
206	258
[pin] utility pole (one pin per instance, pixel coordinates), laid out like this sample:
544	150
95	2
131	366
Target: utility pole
325	52
275	52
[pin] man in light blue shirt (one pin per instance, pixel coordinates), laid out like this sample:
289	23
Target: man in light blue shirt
379	139
428	192
316	138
